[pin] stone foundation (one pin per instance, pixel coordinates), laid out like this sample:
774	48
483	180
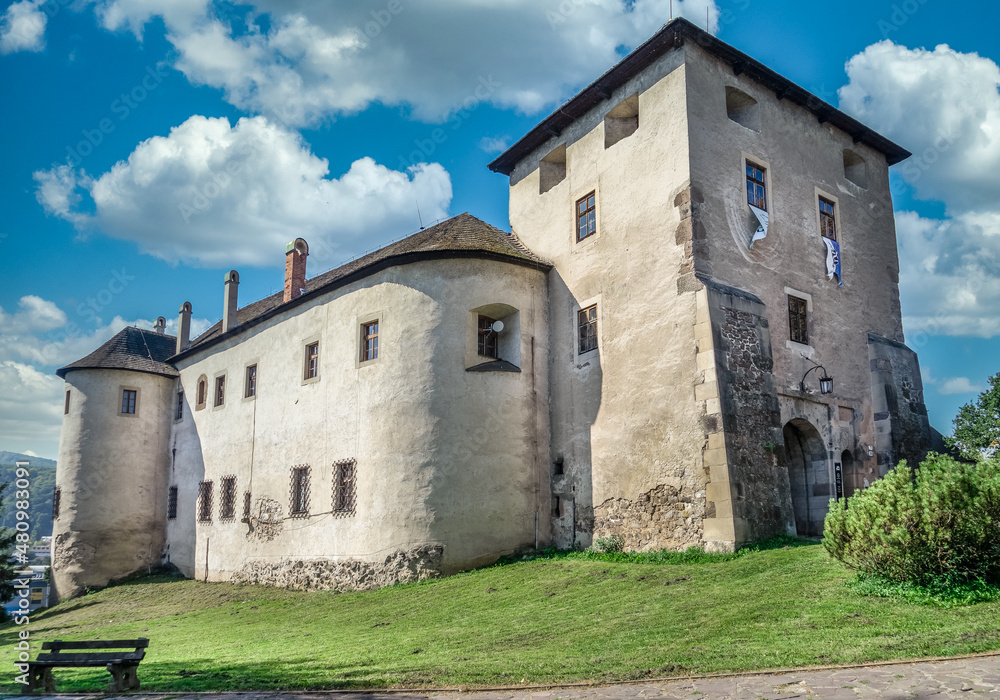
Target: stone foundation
349	575
660	518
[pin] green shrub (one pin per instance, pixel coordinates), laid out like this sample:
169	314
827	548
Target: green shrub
937	525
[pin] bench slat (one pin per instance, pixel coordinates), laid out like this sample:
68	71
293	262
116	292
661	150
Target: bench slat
88	659
58	644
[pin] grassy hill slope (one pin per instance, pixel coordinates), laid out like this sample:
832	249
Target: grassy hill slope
558	619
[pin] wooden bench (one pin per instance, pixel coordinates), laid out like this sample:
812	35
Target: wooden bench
121	665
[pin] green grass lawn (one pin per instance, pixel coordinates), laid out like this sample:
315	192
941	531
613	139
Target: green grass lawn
546	620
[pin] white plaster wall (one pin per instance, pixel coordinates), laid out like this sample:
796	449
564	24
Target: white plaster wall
625	418
444	456
112	472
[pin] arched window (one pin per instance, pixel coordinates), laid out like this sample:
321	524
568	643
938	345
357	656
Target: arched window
202	393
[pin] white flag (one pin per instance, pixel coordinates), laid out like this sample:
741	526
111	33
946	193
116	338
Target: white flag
761	231
833	261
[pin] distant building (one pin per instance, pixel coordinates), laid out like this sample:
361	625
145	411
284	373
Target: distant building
640	357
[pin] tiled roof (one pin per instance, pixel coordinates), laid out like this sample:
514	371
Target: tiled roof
460	236
132	349
671	36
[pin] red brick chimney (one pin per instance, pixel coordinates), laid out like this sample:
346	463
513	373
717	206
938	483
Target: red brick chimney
295	268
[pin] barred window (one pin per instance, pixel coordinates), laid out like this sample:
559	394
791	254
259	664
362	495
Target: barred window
227	498
369	341
827	219
205	502
487	337
344	491
586	216
179	408
300	491
56	498
797	321
587	326
172	503
128	400
756	186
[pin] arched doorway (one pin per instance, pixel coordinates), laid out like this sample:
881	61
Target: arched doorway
808	476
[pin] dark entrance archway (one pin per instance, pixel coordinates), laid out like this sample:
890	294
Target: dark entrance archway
808	476
852	475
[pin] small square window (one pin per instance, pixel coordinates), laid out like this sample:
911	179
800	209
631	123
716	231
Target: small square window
756	186
344	494
300	491
205	502
220	390
66	406
312	361
827	219
227	498
586	216
172	503
798	330
179	407
369	341
128	400
587	326
250	386
487	337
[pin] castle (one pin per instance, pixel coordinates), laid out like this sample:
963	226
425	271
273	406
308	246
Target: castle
692	336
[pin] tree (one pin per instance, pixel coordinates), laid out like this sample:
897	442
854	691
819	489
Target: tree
977	425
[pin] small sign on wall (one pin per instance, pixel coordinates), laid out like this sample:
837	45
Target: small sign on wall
838	477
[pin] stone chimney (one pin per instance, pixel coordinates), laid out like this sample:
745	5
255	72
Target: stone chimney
295	269
230	310
160	325
184	327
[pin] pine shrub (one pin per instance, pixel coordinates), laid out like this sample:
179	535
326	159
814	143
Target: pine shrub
936	524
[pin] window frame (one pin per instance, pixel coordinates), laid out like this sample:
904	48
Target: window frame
581	324
250	381
227	498
219	391
802	324
827	219
578	216
486	338
205	501
298	503
201	393
369	353
310	360
179	406
345	487
122	391
749	165
172	503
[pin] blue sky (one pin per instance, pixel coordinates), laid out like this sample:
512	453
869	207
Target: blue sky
131	184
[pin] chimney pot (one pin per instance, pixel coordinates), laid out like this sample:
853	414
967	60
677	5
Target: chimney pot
160	325
295	269
230	309
184	327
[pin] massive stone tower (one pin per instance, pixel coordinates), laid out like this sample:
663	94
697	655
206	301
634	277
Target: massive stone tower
114	461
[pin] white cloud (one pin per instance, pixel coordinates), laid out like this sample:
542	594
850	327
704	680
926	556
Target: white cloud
22	27
942	105
30	415
494	144
224	195
945	107
318	60
959	385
